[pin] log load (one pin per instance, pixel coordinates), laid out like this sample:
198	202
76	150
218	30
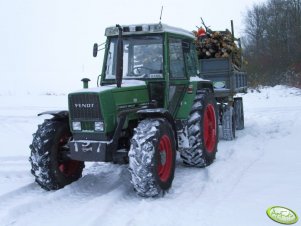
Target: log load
217	44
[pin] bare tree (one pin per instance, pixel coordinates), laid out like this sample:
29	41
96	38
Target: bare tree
272	41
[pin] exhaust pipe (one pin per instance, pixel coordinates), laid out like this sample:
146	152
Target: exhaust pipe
85	83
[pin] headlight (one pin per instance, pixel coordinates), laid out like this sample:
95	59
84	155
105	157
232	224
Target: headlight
111	31
145	27
132	28
76	126
98	126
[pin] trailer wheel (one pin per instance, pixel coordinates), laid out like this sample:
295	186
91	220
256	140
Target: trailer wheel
228	123
51	170
202	131
152	157
239	113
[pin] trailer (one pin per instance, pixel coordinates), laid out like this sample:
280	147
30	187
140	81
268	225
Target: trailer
228	80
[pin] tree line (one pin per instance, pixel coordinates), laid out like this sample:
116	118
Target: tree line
272	43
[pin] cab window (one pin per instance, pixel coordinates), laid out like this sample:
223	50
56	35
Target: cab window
190	58
176	59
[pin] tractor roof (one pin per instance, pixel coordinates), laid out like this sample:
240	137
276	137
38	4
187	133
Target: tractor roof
147	29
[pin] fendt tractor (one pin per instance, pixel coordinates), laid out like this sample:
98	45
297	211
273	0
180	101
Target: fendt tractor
150	103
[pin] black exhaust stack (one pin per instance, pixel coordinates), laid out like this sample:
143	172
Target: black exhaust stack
119	63
232	30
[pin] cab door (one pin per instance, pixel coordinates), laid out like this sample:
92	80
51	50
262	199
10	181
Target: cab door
178	79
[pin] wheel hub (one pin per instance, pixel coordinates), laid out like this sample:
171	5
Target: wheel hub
165	158
67	167
209	128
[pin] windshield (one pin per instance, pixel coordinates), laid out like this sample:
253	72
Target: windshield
142	57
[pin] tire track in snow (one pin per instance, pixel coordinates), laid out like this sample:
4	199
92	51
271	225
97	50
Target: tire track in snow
132	209
14	173
209	186
198	181
19	187
142	211
265	128
100	181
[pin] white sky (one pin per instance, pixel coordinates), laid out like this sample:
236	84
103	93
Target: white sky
46	45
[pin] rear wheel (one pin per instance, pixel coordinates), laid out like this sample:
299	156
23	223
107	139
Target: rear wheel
228	123
49	165
202	131
152	157
239	113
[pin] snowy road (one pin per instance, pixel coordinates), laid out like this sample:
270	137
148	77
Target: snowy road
259	169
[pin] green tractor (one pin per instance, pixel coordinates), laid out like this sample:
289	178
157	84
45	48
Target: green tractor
150	103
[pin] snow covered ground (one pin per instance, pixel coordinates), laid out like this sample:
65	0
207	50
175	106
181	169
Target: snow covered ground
259	169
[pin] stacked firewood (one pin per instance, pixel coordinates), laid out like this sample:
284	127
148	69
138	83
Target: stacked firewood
217	44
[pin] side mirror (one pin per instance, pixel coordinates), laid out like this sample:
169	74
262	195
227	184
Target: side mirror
95	49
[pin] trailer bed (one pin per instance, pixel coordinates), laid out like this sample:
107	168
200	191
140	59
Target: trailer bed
226	78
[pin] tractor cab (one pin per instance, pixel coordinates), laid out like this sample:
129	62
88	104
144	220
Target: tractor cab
162	56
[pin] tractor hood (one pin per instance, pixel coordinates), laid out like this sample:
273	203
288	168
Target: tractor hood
125	84
105	102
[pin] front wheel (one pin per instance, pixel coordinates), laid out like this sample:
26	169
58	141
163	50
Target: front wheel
152	157
49	165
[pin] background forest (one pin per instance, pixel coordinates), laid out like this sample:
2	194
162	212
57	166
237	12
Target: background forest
272	43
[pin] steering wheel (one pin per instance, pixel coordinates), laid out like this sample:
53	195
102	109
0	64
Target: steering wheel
140	70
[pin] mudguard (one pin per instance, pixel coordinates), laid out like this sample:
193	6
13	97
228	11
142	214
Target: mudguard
56	114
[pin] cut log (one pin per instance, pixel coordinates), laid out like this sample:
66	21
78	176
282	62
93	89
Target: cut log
216	44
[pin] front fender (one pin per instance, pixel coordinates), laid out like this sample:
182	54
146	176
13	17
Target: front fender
56	114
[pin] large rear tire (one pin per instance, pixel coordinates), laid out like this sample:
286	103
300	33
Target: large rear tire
202	131
152	157
51	170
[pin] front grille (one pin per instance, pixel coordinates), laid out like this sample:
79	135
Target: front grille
84	106
90	136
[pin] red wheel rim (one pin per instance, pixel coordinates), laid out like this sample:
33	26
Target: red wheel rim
165	158
209	128
68	167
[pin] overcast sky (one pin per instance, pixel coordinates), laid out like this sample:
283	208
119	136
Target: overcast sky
46	45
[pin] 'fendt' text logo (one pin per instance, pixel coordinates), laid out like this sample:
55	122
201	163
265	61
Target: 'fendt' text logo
84	105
